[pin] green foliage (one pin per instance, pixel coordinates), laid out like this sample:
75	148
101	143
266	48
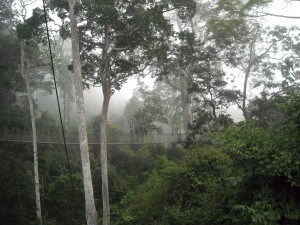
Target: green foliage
254	180
255	4
268	152
17	188
192	66
13	116
32	26
230	19
61	202
47	121
10	80
129	166
264	110
245	140
228	22
57	195
151	115
265	182
176	152
114	132
187	192
6	16
9	77
136	164
186	9
138	32
289	72
54	161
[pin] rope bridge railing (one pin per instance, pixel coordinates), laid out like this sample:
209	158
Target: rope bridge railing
21	134
55	136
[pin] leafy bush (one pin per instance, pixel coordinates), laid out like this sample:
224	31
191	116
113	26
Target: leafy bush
187	192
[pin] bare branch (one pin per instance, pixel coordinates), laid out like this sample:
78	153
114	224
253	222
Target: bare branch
283	16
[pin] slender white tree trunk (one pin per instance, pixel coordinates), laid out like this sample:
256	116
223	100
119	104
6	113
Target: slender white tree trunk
24	72
90	208
103	153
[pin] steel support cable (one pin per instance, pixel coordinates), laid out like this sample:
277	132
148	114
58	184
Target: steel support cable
58	104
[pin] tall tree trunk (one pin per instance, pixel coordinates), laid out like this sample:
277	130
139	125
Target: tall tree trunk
186	106
24	72
244	109
66	112
131	131
103	153
106	89
215	117
183	88
90	208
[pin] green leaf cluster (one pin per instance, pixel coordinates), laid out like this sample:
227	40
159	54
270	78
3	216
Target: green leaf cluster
187	192
32	27
16	190
266	166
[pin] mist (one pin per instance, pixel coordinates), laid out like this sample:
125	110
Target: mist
93	98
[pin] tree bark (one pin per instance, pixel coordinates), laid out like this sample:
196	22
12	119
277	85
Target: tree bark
65	113
24	73
244	109
186	106
90	208
106	89
253	60
186	102
215	116
103	154
183	88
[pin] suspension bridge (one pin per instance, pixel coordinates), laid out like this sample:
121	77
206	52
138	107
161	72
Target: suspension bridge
54	136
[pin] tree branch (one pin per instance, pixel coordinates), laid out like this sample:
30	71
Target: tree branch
283	16
176	87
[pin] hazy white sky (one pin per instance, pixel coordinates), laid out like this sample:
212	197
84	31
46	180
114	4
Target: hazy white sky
287	8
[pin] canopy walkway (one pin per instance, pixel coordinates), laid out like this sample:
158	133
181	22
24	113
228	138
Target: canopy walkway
50	136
